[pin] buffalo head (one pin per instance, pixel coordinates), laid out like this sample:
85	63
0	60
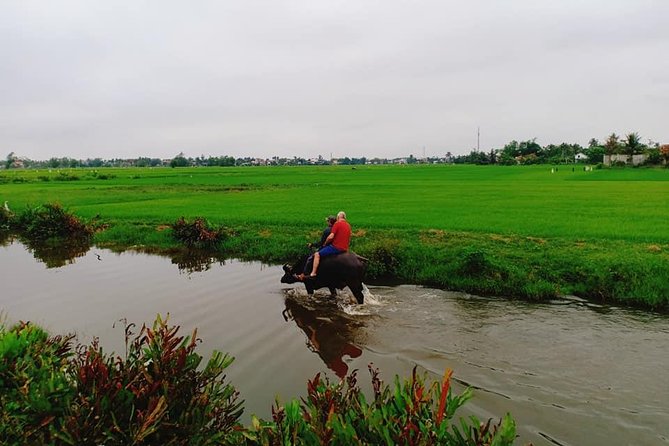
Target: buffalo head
288	276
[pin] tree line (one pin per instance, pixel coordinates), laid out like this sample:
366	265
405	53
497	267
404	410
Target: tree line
530	152
514	152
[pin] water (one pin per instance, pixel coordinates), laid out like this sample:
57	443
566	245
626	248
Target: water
570	372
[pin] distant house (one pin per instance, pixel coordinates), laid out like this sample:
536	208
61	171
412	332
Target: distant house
619	158
17	163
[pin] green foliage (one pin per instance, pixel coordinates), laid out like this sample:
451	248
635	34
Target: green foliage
156	394
476	262
410	412
67	176
179	161
35	388
383	256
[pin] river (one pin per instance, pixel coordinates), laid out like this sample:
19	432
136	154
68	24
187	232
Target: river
570	372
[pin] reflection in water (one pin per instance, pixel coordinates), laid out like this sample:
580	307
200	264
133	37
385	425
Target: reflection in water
195	260
55	253
329	333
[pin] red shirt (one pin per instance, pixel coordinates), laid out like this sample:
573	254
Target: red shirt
342	235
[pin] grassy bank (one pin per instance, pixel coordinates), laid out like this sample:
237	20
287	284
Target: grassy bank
508	231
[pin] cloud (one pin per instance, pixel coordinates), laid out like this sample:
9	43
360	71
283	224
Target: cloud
264	78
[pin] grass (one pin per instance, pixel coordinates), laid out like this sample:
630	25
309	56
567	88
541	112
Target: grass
601	234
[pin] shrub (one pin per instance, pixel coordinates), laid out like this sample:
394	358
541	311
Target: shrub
197	233
48	221
408	413
477	263
383	258
157	394
34	385
65	176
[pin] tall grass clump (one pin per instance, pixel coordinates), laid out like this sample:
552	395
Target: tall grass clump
48	221
384	257
197	233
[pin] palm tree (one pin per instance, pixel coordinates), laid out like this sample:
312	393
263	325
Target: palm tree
633	145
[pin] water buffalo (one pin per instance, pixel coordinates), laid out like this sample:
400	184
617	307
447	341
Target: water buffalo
338	271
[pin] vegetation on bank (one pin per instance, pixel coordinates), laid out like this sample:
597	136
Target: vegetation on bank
517	231
160	392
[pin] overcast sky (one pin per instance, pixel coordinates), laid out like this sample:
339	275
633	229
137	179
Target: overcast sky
343	78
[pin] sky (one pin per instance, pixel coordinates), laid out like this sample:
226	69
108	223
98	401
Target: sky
390	78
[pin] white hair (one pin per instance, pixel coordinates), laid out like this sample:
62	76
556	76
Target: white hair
341	214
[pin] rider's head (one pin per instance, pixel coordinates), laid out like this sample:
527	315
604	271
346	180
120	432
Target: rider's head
331	219
341	215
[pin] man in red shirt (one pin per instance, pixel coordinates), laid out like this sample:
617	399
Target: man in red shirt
336	243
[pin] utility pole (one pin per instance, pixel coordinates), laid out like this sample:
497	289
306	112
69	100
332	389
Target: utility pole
478	139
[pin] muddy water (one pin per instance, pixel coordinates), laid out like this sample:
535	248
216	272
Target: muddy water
571	373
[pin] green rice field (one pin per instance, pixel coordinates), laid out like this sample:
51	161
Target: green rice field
514	231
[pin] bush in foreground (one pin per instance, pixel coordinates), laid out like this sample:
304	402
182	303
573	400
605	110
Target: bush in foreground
158	394
408	413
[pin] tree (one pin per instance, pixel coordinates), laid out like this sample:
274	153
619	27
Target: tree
493	158
612	144
595	154
179	161
664	152
10	160
633	145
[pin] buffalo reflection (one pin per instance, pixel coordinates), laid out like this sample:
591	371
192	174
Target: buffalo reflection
329	334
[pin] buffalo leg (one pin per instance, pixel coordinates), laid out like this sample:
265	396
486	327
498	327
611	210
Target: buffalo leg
356	288
333	291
